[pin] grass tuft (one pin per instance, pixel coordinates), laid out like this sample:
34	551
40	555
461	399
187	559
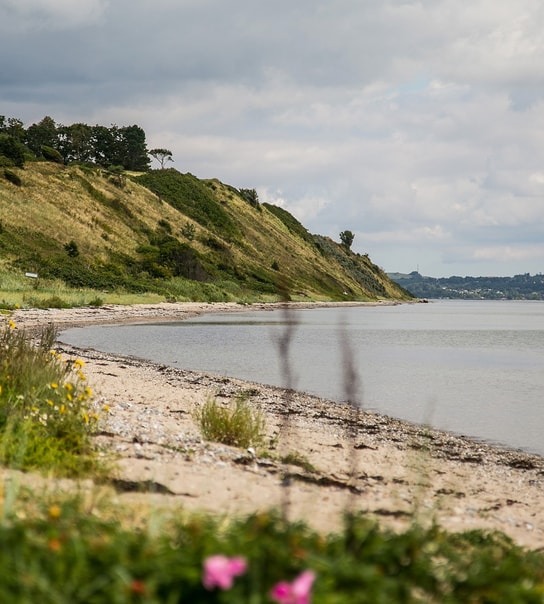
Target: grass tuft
238	425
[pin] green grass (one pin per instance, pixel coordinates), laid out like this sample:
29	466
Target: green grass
238	425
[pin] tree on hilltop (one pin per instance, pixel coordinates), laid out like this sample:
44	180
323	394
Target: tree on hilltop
161	155
347	237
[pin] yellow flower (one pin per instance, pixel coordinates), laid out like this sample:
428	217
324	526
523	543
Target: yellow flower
54	512
85	418
62	409
69	397
88	391
54	385
12	324
106	408
79	363
50	402
68	386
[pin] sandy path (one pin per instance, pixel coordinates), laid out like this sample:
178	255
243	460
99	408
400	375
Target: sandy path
393	470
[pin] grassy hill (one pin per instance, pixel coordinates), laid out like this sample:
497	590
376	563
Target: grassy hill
168	234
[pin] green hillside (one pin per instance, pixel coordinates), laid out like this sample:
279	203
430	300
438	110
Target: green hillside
169	233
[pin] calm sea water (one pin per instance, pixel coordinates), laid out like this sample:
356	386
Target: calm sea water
472	367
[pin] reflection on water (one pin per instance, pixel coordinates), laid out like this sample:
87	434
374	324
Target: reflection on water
474	367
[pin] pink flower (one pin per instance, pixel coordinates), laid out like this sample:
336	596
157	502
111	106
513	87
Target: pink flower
297	592
219	571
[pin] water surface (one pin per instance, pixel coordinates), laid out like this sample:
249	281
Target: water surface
472	367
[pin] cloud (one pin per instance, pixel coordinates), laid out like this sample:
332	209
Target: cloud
418	125
49	15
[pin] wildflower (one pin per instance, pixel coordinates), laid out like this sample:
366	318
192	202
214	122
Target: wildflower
137	587
54	385
219	571
79	363
12	324
106	408
54	512
85	418
297	592
54	545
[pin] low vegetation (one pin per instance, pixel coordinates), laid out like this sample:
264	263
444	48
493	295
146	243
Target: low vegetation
46	408
57	549
239	425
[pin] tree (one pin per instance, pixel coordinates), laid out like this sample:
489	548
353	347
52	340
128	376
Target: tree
44	133
12	149
161	155
75	143
347	237
251	196
133	149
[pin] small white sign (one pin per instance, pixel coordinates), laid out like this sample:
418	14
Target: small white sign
32	275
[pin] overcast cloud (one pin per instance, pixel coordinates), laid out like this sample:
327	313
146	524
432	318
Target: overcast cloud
418	125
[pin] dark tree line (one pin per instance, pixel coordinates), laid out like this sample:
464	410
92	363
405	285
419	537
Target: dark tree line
78	143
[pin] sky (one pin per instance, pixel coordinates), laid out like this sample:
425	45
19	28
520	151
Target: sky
417	125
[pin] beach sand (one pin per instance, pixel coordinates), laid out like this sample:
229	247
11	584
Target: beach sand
395	471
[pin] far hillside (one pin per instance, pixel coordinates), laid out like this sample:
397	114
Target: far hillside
518	287
112	227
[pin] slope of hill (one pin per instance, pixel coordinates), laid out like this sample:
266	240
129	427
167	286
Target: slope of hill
171	233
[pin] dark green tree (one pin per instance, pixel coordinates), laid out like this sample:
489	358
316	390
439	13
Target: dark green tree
13	150
251	196
13	127
133	149
44	133
76	144
347	237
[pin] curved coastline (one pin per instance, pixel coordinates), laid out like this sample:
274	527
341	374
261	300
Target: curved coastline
465	483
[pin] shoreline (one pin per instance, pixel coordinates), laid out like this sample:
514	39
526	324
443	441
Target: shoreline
392	469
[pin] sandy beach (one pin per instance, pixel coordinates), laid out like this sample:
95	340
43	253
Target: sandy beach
394	471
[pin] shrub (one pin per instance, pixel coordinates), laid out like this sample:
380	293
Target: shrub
71	249
50	154
188	231
238	425
12	177
46	411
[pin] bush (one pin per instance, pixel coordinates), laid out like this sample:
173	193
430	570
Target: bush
50	154
71	249
46	411
12	177
240	426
